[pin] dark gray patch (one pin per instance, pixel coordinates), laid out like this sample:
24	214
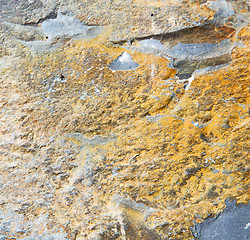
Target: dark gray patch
187	67
184	75
183	51
232	224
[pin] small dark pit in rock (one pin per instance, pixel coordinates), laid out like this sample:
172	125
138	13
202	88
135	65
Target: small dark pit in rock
191	171
62	77
204	138
185	86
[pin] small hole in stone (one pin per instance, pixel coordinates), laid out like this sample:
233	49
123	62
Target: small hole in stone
47	37
62	77
152	14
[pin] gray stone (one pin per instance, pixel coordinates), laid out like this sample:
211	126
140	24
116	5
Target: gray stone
222	7
26	11
151	46
232	224
41	46
96	140
55	236
200	50
67	26
123	63
183	51
128	203
23	32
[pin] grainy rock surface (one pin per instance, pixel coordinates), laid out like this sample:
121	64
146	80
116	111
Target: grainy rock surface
92	151
233	223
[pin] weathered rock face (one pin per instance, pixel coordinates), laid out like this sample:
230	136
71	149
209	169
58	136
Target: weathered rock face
122	119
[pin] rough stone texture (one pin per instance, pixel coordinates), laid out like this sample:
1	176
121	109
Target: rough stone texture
90	153
233	223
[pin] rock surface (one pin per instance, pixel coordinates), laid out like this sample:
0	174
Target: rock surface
128	120
233	223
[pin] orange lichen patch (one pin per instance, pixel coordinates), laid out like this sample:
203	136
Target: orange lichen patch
189	128
226	31
201	34
215	126
133	215
171	121
244	34
242	123
210	12
169	73
181	153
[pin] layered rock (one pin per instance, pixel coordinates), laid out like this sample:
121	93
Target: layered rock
122	119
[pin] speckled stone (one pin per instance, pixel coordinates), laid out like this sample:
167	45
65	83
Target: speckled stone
90	152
